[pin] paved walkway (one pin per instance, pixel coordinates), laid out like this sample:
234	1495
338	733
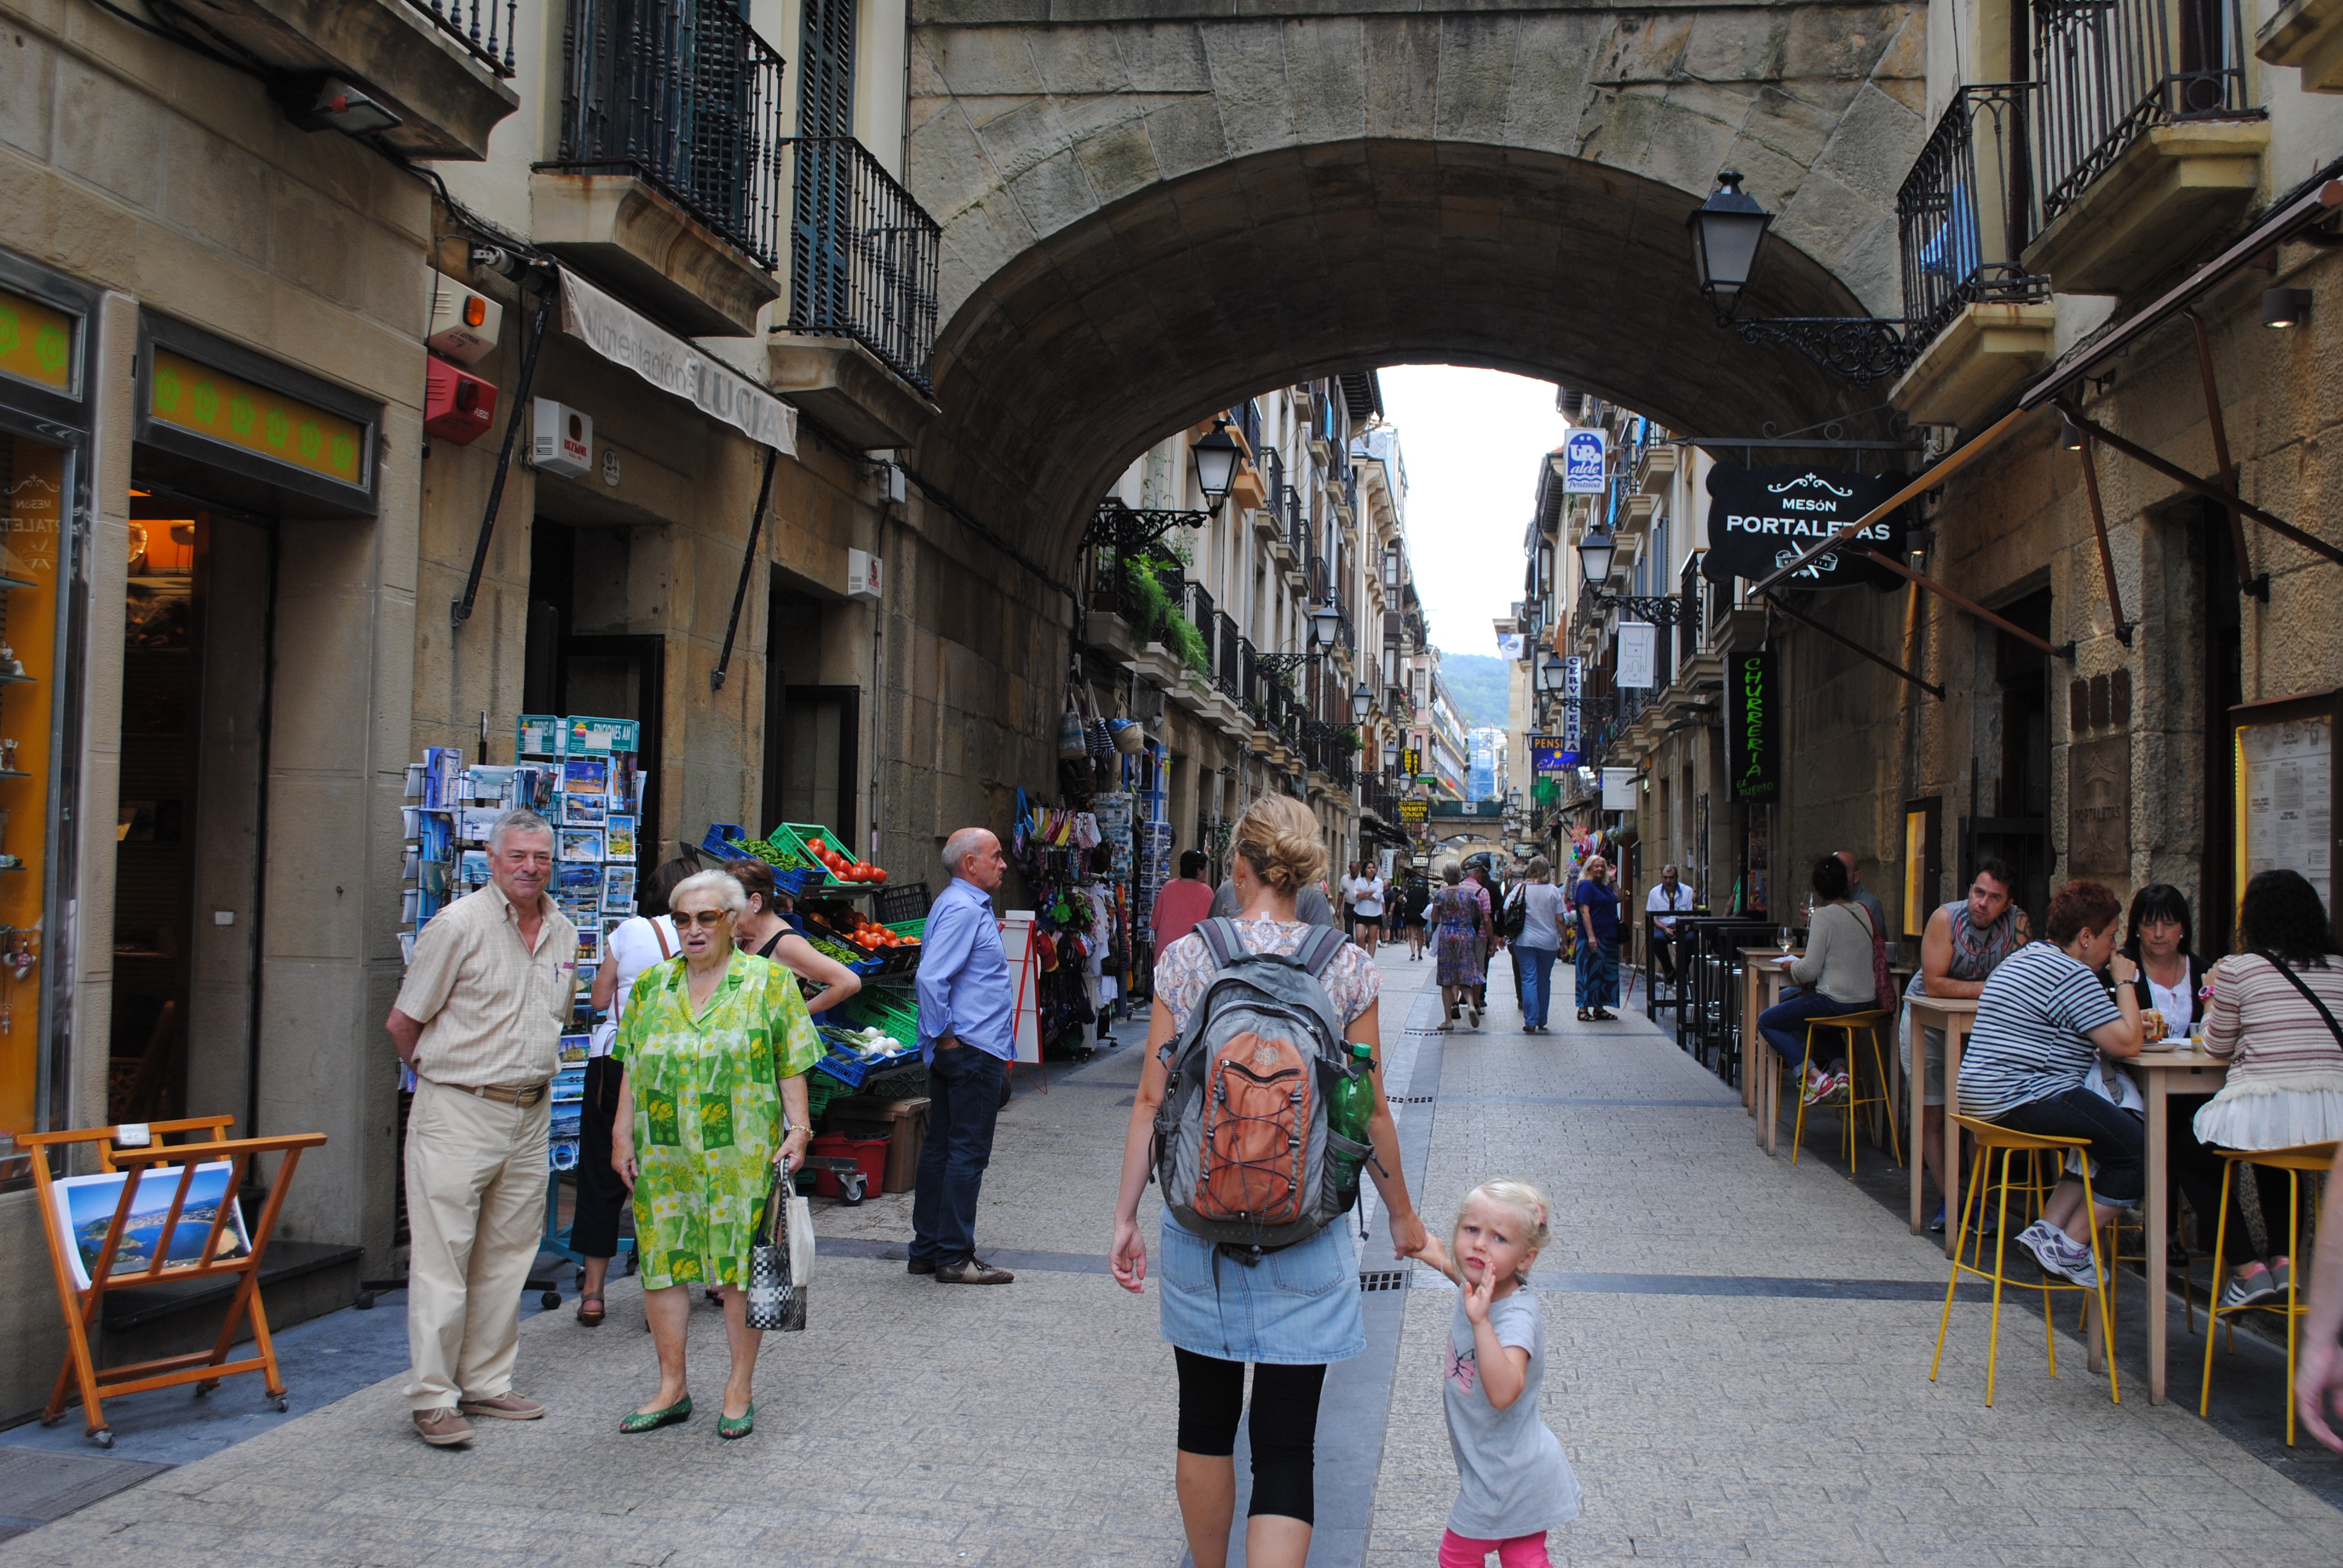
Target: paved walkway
1741	1354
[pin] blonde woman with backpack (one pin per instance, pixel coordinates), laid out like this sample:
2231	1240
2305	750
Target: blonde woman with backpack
1289	1310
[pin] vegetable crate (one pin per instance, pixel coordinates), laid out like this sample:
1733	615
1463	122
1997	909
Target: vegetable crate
794	836
849	1068
886	1011
899	906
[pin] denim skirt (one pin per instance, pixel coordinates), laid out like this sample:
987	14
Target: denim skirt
1297	1307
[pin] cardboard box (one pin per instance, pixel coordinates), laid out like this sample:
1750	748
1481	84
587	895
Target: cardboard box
904	1123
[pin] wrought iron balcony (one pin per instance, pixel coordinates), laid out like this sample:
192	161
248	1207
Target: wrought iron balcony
491	45
684	94
863	257
1230	675
2112	70
1967	211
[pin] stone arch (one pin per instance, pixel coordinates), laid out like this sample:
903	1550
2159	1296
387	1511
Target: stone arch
1146	218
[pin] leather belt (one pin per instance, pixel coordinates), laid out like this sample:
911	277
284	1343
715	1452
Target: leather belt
522	1097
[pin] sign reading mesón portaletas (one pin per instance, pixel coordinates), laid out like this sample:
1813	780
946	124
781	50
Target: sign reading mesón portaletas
1761	520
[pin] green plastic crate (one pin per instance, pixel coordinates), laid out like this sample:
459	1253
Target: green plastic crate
883	1011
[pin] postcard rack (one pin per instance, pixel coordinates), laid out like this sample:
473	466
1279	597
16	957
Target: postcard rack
121	1150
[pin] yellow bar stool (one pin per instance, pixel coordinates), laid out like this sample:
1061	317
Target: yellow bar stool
1991	1140
2313	1160
1846	1025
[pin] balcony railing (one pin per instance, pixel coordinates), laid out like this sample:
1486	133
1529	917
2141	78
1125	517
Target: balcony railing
491	45
1297	527
863	256
1967	211
1229	676
683	94
2111	70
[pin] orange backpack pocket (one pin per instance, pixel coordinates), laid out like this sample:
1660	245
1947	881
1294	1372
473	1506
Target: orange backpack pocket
1256	1132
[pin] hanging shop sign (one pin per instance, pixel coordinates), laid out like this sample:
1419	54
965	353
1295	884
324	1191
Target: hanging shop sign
1750	725
1583	462
1574	672
1639	654
1572	727
1413	811
1550	754
1763	519
1412	762
217	402
672	365
1618	788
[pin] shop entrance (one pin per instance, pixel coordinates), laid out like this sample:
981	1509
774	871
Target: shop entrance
191	781
2014	825
812	766
578	576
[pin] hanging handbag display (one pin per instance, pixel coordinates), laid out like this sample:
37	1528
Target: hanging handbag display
780	1262
1072	746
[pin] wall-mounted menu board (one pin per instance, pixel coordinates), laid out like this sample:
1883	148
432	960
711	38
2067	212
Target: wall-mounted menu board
2286	762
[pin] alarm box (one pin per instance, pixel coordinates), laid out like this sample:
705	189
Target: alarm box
464	321
458	405
866	579
564	440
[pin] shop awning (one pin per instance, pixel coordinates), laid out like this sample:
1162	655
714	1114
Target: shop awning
623	337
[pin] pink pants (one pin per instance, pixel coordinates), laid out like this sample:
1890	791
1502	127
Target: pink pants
1521	1551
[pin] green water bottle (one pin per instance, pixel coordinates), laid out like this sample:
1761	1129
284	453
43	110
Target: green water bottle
1349	1113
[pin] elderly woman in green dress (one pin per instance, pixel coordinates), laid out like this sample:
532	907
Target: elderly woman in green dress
714	1049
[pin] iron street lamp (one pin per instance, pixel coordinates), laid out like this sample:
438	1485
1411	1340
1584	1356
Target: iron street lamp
1326	623
1728	231
1216	458
1361	700
1595	552
1391	755
1553	665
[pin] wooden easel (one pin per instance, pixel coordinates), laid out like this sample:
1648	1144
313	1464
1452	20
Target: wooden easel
208	1143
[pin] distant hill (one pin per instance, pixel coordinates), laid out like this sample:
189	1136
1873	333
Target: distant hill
1479	683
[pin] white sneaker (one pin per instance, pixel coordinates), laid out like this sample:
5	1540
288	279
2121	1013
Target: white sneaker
2057	1255
2035	1238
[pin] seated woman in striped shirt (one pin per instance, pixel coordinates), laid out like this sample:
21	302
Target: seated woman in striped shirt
2042	1022
2273	1014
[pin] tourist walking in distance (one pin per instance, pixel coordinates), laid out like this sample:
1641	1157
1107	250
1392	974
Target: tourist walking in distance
968	1036
715	1051
1459	918
1597	968
479	1019
1514	1481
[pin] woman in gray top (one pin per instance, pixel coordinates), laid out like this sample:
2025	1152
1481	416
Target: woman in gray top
1539	944
1834	978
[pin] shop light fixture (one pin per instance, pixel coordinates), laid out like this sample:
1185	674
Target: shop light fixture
1726	230
1594	552
1361	700
329	104
1326	623
1216	464
2070	435
2285	307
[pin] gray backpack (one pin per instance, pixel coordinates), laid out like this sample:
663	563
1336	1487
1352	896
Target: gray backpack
1242	1148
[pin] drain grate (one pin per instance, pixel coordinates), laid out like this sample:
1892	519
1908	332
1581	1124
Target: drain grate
1382	1279
1409	1098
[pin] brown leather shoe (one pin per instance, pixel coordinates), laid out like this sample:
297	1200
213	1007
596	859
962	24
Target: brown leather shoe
506	1406
974	1272
442	1428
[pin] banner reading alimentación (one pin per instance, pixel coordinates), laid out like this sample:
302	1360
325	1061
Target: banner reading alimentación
1760	520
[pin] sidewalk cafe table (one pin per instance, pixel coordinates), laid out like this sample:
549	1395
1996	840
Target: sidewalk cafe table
1764	973
1954	1015
2167	1074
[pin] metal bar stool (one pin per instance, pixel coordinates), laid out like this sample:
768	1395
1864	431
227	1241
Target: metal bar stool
1992	1138
2303	1159
1847	1024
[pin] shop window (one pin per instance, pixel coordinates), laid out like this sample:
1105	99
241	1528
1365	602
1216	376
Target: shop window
579	575
35	488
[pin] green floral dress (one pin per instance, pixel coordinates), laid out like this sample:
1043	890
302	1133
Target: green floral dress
707	1112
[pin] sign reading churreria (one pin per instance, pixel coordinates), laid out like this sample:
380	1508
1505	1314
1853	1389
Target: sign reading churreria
1750	726
1760	520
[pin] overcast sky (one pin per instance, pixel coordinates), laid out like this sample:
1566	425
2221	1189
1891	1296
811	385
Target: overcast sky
1473	440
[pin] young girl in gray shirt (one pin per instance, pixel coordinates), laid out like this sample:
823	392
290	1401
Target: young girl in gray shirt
1516	1482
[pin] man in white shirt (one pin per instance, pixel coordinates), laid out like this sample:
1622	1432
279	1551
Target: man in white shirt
1667	898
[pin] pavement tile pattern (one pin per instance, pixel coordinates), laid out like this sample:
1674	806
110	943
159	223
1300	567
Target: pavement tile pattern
1741	1354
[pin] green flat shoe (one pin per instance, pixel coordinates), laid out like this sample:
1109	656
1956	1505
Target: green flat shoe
652	1419
727	1427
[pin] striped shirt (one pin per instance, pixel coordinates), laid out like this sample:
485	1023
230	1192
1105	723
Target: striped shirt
492	1010
2032	1036
2270	1030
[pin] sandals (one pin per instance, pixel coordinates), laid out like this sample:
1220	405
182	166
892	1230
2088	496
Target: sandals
592	1319
652	1419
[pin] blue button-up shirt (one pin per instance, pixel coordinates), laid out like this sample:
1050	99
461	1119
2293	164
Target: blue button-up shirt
964	984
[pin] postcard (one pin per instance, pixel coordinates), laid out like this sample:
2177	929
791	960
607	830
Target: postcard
574	1046
85	1206
473	822
619	837
581	844
617	889
583	810
585	775
577	878
472	871
589	948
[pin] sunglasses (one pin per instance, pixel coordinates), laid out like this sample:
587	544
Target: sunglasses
704	917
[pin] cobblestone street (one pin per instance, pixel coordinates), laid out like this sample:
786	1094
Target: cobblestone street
1740	1374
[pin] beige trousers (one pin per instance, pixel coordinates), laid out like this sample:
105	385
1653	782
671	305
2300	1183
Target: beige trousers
475	1177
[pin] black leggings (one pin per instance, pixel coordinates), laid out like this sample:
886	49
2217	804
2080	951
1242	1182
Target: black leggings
1283	1430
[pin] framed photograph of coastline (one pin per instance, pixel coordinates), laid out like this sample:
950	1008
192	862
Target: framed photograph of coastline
85	1206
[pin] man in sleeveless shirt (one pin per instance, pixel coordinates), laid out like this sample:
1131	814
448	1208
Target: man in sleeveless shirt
1965	941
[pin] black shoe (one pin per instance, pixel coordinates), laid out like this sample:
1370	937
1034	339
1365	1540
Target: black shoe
974	1272
920	1266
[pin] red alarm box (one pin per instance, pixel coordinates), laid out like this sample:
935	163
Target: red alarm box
458	405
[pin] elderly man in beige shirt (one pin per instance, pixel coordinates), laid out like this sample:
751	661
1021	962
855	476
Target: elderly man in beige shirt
480	1019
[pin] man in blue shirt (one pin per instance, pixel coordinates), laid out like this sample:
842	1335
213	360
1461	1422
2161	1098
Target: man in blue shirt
968	1036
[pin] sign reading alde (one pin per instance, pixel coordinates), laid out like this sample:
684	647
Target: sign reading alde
1750	726
1761	520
